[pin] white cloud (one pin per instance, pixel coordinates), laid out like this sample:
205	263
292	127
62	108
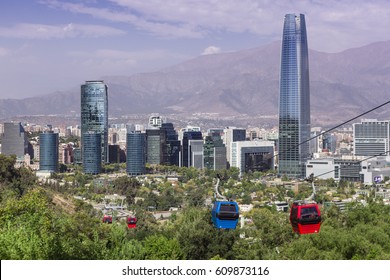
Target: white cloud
211	50
4	52
156	26
332	25
45	31
120	55
176	18
118	62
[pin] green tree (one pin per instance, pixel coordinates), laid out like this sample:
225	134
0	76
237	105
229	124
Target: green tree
272	227
26	231
14	180
127	186
159	247
198	238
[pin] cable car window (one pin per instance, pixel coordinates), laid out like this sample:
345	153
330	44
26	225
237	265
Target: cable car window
308	212
228	208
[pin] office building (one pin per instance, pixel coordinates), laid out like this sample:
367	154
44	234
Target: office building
375	170
232	134
156	140
136	153
315	143
114	154
155	145
214	152
371	138
329	143
186	156
36	150
294	98
77	156
66	153
349	169
252	156
172	150
14	141
48	151
196	153
155	120
94	113
92	152
323	168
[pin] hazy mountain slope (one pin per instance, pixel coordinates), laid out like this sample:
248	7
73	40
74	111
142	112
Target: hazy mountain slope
342	85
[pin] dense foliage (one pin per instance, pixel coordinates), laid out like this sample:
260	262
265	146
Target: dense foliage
39	222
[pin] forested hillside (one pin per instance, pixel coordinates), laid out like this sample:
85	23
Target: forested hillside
45	222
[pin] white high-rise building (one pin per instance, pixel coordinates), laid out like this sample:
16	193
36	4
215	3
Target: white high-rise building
371	138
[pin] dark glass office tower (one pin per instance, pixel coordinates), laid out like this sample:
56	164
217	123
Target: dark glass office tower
172	150
48	151
294	99
94	113
136	153
186	157
214	152
155	145
92	154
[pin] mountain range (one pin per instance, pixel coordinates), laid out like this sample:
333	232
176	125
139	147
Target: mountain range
343	85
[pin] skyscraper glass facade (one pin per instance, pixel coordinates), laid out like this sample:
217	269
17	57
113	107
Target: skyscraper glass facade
172	150
94	113
214	152
14	140
294	99
92	155
48	151
196	153
136	153
156	145
186	151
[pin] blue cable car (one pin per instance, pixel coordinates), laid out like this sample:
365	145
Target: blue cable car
225	214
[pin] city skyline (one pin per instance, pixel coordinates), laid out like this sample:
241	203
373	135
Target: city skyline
54	45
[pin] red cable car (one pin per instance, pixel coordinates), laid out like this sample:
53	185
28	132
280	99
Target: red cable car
131	222
107	219
305	217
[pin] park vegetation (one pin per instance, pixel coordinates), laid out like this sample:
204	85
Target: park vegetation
43	221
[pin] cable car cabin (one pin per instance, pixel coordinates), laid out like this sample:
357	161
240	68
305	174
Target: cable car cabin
131	222
225	214
107	219
305	217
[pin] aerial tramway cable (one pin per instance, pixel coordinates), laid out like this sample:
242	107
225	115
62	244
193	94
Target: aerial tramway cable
322	133
305	215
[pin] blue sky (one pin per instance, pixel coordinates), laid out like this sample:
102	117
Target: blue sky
49	45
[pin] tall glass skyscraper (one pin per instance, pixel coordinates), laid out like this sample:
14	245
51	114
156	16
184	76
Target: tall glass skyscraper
294	99
94	113
136	153
48	151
